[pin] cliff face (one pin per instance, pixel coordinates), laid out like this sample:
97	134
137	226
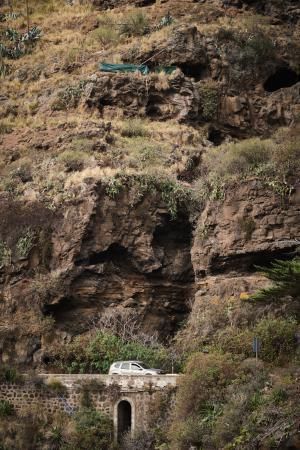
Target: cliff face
73	245
108	253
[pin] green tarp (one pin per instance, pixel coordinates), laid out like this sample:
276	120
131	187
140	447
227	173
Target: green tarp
125	68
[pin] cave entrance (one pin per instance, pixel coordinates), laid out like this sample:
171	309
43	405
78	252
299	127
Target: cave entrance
215	136
283	77
124	419
195	71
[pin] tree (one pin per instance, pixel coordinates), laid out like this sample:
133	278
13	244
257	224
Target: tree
285	277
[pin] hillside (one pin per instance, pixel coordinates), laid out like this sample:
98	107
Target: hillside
142	213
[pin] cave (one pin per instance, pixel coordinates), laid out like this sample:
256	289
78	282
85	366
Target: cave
250	262
195	71
215	136
115	253
283	77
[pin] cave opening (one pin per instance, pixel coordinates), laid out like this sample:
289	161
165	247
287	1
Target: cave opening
195	71
115	253
283	77
215	136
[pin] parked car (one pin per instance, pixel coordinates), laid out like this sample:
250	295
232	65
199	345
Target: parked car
132	368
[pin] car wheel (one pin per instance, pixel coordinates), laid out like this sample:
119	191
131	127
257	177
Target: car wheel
148	373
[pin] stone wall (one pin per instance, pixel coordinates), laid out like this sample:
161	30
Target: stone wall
64	393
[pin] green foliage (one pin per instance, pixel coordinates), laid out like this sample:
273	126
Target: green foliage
174	194
273	161
135	24
16	44
5	127
10	375
210	101
200	398
285	277
134	128
6	408
246	51
69	97
96	355
106	35
5	254
73	159
278	339
93	430
113	186
56	386
256	48
25	243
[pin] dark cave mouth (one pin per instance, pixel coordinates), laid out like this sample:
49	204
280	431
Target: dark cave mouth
195	71
283	77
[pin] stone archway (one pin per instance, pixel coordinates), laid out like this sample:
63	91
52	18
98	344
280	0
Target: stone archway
123	418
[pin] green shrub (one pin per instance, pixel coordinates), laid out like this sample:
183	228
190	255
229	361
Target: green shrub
200	396
6	408
93	430
134	128
25	243
270	160
256	48
210	101
73	159
135	24
173	193
278	339
5	254
106	35
68	97
97	354
56	386
10	375
5	127
235	341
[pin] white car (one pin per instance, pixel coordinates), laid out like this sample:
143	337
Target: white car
132	368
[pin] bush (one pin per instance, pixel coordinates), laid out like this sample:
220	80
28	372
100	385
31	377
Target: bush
73	159
10	375
210	101
134	128
56	386
25	243
68	97
135	24
106	35
100	351
278	339
93	430
271	160
200	395
6	409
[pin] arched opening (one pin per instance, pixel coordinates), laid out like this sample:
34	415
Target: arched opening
283	77
124	418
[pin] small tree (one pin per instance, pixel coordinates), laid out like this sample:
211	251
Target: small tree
285	277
